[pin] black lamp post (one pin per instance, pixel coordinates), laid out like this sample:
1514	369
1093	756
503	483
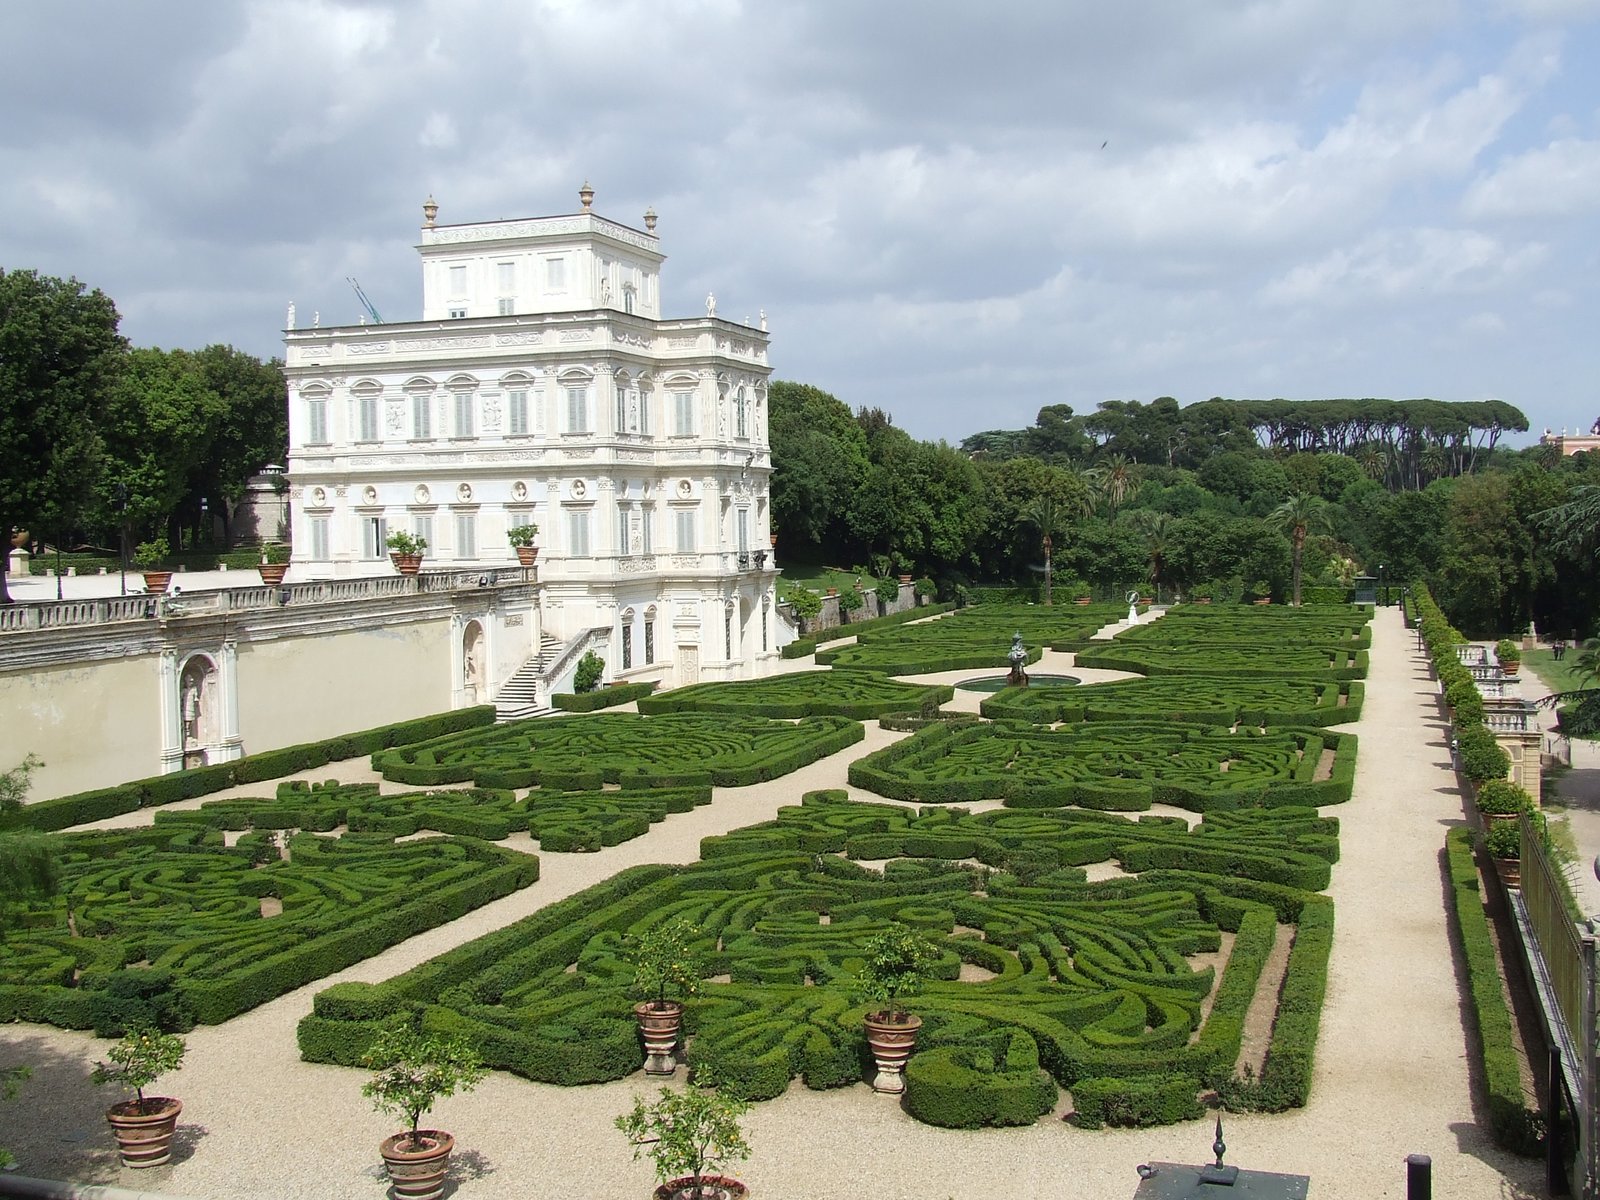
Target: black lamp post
1383	596
120	499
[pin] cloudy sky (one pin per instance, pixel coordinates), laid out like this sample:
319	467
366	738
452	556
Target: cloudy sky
956	211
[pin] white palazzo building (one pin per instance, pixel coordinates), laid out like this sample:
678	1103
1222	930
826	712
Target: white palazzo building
542	386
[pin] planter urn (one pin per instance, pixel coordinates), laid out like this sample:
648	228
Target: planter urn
406	564
155	582
1510	871
892	1043
145	1139
1083	601
272	573
712	1187
417	1174
526	555
659	1027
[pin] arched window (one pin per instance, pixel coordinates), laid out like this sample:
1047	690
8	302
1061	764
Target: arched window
627	638
650	635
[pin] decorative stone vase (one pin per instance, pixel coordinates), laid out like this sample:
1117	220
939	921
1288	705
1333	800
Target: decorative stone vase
272	573
1510	667
1510	871
892	1043
659	1027
1203	600
1262	601
774	540
155	582
1147	600
1084	601
712	1187
406	564
418	1174
526	555
145	1139
905	579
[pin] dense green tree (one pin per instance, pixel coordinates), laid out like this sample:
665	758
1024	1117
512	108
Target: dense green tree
1157	530
819	458
253	429
60	354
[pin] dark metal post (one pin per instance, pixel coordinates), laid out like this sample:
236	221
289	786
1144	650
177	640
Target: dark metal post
1419	1177
120	493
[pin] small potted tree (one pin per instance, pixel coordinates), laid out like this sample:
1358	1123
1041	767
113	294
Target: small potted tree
144	1125
850	601
1509	655
405	551
521	539
807	606
894	963
1502	800
1201	593
274	563
663	956
151	560
1078	592
689	1135
1503	841
414	1071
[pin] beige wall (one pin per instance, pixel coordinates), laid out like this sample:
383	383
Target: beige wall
305	689
93	725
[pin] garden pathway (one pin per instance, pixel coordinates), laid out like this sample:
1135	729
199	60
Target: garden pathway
1391	1071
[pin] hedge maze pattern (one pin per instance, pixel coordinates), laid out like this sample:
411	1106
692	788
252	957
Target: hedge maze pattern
1190	699
1123	767
1283	661
1348	627
561	821
972	639
167	923
859	695
1079	981
634	751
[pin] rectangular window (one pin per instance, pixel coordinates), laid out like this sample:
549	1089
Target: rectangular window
319	539
649	642
727	634
627	646
506	277
644	412
647	531
763	629
517	412
621	425
458	282
368	419
374	537
555	274
741	416
506	305
422	417
577	410
578	533
458	312
683	519
683	407
316	422
466	535
622	530
463	406
422	526
744	530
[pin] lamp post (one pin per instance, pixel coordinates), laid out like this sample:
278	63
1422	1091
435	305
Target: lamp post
1383	596
120	499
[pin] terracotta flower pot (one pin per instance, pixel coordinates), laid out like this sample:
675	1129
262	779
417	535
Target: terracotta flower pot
527	554
406	564
1509	870
145	1140
1264	600
712	1187
659	1027
272	573
418	1174
892	1043
155	582
1203	600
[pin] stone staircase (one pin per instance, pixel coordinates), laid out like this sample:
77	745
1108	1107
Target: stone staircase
518	697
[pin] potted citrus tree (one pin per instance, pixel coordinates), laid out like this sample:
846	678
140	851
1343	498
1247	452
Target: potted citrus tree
151	560
690	1135
894	964
1503	841
1509	655
144	1125
414	1071
1502	800
274	563
521	539
663	956
405	551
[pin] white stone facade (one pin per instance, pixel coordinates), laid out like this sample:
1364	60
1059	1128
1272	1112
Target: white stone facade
542	386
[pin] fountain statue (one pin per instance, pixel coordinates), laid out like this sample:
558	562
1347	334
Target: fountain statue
1018	658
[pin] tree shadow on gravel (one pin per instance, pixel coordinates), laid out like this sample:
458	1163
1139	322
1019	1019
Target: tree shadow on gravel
467	1164
56	1127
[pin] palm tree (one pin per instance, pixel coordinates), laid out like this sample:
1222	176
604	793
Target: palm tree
1045	515
1296	517
1156	529
1114	478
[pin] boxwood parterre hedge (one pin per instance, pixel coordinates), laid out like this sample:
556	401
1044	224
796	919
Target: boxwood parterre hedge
973	639
859	695
1080	980
1189	699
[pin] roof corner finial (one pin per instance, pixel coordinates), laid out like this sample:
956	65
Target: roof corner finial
586	194
650	220
1219	1146
430	210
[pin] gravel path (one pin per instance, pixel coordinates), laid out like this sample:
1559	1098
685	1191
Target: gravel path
1391	1074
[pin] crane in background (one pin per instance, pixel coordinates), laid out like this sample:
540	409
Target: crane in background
365	303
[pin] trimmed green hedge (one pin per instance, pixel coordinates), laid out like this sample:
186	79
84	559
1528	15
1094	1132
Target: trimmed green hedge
801	647
1516	1126
1136	1103
606	697
1189	699
858	695
993	1082
97	805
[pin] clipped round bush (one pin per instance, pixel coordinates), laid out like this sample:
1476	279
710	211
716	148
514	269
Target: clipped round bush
1501	797
1137	1103
1482	758
967	1087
